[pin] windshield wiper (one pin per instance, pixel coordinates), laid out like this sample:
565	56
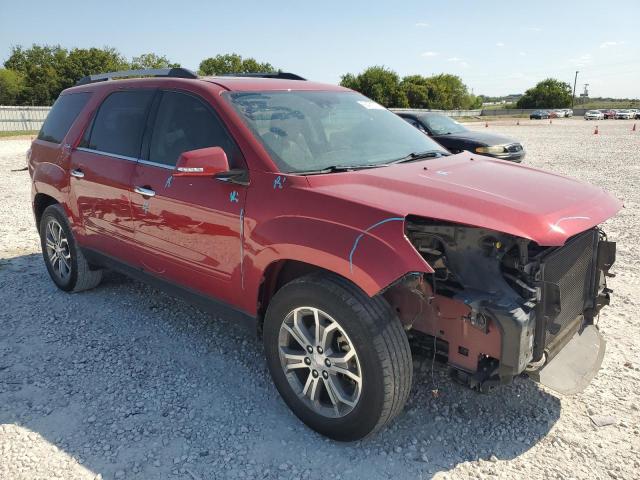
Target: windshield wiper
339	168
419	156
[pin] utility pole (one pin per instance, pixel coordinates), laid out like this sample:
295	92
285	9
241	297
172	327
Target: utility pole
573	98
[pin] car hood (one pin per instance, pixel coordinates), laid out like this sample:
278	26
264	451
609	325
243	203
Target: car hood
479	191
476	137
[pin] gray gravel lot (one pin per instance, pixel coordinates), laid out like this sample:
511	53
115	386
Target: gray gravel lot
126	382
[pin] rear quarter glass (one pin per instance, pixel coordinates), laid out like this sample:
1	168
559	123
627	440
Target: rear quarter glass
62	115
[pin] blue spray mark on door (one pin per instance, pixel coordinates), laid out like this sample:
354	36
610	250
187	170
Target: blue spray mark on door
355	244
279	182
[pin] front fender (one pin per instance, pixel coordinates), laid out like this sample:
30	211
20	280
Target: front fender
371	256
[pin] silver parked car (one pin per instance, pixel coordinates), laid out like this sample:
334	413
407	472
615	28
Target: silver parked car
624	115
594	115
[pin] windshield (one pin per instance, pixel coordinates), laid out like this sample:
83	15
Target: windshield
441	124
309	131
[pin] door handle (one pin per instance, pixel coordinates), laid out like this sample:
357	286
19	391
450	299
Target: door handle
145	192
76	172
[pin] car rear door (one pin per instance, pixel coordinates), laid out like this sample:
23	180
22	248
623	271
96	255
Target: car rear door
102	168
189	228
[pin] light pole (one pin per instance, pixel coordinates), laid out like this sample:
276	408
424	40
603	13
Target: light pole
573	97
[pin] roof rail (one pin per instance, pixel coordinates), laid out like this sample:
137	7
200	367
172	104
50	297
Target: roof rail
279	74
145	72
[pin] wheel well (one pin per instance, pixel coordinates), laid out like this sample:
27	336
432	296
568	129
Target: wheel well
276	276
40	203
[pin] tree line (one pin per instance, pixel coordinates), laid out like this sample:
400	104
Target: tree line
37	75
443	91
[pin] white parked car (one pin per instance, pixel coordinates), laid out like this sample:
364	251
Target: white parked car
624	115
568	112
594	115
560	113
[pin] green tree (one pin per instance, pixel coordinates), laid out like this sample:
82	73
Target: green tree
232	63
151	60
81	62
549	93
11	86
444	91
40	67
419	91
450	93
379	84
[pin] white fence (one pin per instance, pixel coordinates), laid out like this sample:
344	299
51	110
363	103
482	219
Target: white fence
448	113
20	119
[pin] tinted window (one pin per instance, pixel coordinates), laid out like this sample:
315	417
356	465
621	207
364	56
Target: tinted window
185	123
119	124
61	116
413	121
442	125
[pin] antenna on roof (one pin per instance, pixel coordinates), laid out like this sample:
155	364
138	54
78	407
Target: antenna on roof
177	72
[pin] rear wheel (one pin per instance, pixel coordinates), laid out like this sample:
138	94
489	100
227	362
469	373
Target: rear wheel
340	359
65	262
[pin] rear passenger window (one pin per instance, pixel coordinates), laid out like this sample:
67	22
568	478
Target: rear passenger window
120	122
61	116
185	123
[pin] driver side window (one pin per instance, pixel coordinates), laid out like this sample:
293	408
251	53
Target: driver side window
184	123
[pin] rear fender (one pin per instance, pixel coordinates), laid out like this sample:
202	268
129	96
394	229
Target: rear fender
52	180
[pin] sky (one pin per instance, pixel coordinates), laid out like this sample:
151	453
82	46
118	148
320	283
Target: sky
496	47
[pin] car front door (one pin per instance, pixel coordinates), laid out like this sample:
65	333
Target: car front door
102	168
189	228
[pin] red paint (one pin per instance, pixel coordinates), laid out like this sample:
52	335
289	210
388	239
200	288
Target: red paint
205	162
190	232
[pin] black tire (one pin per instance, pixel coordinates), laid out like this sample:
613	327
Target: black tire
379	341
79	276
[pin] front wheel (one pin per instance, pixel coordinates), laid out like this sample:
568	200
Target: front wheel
340	359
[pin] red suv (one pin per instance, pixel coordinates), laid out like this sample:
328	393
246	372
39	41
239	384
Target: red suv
343	232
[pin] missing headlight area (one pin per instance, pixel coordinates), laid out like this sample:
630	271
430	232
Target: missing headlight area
497	305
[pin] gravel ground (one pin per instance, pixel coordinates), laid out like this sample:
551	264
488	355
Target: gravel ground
126	382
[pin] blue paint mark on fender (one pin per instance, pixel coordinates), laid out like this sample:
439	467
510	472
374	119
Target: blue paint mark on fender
355	244
233	197
279	182
169	181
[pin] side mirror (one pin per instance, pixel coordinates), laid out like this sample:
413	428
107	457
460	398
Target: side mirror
204	162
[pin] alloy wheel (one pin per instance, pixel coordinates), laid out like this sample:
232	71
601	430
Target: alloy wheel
320	362
58	252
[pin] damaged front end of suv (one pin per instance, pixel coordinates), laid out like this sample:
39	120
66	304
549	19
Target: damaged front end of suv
498	305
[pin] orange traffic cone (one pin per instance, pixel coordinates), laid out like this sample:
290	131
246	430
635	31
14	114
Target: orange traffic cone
595	132
486	124
634	128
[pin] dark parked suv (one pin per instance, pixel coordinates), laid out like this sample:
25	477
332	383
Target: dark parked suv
339	230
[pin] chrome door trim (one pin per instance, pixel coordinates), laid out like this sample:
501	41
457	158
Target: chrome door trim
107	154
130	159
156	164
